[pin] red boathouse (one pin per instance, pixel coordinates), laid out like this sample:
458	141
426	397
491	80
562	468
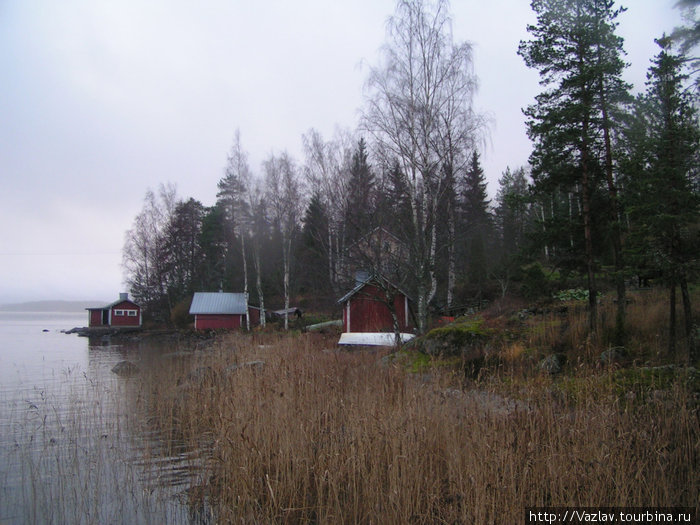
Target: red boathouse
121	313
219	310
366	308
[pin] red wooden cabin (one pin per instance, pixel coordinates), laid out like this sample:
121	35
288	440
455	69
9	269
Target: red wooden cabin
219	310
121	313
366	307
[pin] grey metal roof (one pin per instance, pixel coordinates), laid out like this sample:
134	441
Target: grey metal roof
219	303
367	280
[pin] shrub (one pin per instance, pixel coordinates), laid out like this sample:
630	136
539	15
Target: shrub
180	314
535	284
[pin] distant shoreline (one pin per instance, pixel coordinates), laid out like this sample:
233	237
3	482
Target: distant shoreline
51	306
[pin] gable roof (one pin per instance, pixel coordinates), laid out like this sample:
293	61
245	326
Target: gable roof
373	278
114	303
219	303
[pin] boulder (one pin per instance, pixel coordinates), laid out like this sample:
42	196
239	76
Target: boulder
615	354
552	364
125	368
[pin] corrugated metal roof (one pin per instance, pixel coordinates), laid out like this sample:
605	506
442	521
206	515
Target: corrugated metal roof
218	303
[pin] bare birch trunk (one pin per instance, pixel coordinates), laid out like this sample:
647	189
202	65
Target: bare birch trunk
286	248
451	260
331	259
544	231
432	253
245	280
258	285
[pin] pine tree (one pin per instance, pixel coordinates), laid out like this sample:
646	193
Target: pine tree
577	53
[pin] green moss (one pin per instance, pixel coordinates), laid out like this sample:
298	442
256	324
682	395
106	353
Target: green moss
417	362
460	333
646	379
463	339
629	385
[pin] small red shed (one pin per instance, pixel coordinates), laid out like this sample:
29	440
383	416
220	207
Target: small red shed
219	310
366	310
121	313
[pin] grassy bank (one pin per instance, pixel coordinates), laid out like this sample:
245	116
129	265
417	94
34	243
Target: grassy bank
321	436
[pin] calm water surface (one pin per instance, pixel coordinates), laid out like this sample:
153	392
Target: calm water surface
74	447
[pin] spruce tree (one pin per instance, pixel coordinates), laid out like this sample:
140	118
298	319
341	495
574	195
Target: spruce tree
664	204
359	213
476	223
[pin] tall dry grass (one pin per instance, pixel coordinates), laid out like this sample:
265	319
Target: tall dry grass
317	436
563	328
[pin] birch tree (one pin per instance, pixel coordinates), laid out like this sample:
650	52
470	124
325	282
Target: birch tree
285	203
232	193
144	254
258	234
326	170
423	86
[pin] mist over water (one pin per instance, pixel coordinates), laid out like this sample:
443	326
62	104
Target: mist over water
75	445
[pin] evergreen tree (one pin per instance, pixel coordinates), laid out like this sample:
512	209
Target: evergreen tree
477	223
512	214
475	202
214	242
182	241
575	49
313	249
393	205
664	204
359	211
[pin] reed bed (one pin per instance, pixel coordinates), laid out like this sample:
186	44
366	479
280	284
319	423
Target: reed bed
316	435
80	450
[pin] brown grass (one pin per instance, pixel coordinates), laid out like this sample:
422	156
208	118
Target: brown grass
320	436
563	328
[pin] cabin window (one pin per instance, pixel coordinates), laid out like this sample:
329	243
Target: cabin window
119	313
132	313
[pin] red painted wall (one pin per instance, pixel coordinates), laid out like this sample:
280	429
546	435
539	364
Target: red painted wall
218	322
95	318
254	314
126	320
369	313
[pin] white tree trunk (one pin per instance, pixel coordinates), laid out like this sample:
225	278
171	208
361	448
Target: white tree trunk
245	279
258	284
286	248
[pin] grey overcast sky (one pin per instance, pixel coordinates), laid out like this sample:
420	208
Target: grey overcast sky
101	100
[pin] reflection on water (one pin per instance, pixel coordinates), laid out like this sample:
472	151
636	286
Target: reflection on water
76	443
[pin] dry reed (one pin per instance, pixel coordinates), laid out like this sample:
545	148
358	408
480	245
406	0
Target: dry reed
322	436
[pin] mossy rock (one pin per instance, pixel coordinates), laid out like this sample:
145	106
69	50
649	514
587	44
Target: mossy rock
462	339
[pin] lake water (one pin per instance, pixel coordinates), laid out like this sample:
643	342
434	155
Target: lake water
74	445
